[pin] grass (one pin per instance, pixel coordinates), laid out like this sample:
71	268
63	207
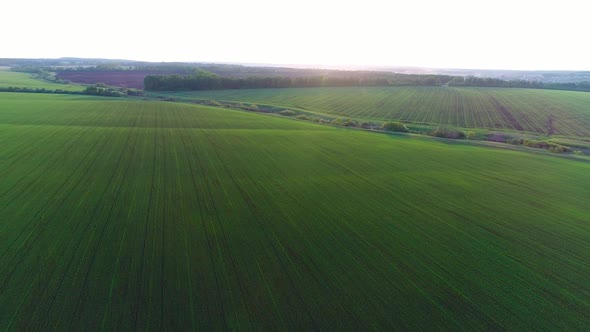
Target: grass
526	110
149	215
24	80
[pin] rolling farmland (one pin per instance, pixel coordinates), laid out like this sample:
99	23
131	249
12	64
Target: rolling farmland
537	111
148	215
24	80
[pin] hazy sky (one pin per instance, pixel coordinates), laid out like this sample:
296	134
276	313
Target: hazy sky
500	34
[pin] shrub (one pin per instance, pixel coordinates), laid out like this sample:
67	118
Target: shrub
134	92
557	148
447	133
213	103
498	137
250	107
395	126
287	113
344	122
550	146
98	90
514	141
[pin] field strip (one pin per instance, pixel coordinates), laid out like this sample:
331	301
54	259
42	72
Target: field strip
219	220
77	243
205	228
248	200
68	193
149	208
185	231
130	146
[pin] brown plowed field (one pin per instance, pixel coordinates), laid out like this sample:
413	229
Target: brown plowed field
122	78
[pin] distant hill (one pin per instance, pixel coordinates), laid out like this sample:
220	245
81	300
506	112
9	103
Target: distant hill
293	70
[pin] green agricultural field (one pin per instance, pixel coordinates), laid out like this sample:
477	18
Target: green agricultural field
118	214
526	110
24	80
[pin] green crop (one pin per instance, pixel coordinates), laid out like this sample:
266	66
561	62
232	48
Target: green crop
13	79
539	111
149	215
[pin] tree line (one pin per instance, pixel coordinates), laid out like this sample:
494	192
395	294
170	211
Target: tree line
208	81
93	90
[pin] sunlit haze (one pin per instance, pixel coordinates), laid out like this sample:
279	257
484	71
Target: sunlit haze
446	34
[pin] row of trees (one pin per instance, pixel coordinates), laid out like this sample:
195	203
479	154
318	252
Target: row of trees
37	90
493	82
207	81
95	90
496	82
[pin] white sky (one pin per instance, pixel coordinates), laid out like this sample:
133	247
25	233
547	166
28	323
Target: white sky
500	34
